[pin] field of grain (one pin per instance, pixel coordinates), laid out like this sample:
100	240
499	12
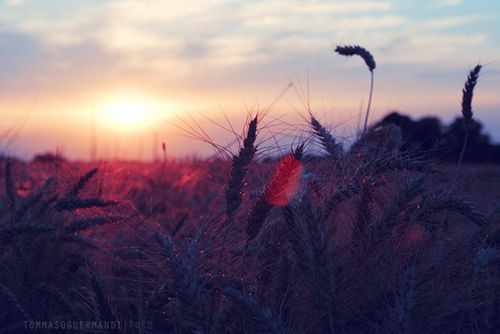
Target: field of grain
373	237
370	243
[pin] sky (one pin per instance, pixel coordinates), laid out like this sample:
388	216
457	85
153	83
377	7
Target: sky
131	74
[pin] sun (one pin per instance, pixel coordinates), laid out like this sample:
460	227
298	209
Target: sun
132	112
128	113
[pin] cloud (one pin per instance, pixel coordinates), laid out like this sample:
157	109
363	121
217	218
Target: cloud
450	2
217	33
451	21
29	69
284	7
447	50
18	52
173	42
15	2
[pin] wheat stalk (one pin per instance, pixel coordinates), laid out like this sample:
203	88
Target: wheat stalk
10	189
404	304
494	213
445	201
326	138
280	188
9	232
307	239
158	298
11	299
84	179
240	164
257	217
285	182
48	289
467	94
86	223
32	200
77	240
356	50
363	220
239	170
265	316
186	282
381	230
82	203
101	300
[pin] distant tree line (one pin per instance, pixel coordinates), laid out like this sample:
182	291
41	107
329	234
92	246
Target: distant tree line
428	137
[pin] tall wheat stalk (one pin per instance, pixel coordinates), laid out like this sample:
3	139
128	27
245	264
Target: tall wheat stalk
467	94
281	187
239	168
356	50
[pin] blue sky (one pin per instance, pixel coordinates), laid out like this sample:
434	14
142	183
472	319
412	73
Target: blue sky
60	61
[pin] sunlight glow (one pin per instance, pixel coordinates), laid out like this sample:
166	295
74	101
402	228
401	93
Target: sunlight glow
129	114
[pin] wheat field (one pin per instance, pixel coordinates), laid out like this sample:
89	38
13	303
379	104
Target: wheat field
361	238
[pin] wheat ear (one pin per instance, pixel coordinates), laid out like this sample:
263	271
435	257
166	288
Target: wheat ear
356	50
240	164
86	223
239	170
82	203
280	187
326	138
467	94
84	179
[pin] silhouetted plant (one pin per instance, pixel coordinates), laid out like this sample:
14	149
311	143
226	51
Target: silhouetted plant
356	50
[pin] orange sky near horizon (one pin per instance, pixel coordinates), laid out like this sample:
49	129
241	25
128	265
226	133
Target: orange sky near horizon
137	73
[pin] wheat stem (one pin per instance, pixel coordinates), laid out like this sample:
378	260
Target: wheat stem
369	102
356	50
